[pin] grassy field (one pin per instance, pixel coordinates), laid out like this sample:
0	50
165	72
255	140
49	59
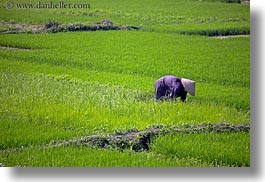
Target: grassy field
66	85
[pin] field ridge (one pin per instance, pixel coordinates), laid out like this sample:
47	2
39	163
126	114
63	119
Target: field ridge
139	140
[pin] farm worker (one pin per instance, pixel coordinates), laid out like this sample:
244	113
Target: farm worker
172	87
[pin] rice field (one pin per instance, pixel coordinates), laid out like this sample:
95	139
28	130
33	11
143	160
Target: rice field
68	85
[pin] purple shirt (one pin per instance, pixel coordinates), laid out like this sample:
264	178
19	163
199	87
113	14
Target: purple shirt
170	87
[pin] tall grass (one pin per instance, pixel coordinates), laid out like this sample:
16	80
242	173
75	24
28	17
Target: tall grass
233	26
68	85
148	54
137	12
87	157
218	149
43	108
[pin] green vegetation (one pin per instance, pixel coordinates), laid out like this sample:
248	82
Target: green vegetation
88	157
65	85
45	108
182	14
218	149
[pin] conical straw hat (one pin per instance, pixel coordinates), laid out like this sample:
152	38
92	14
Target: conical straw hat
189	85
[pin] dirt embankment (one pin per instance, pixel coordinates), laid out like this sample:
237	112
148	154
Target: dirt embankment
53	27
139	140
13	28
229	36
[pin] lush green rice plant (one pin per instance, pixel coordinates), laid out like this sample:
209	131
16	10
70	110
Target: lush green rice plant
62	86
44	108
136	12
219	149
225	62
87	157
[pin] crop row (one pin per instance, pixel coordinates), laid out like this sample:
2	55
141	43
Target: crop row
53	108
136	12
86	157
214	149
223	62
219	149
237	97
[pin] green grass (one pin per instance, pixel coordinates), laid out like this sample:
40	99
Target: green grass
45	108
233	27
138	53
136	59
218	149
87	157
67	85
171	12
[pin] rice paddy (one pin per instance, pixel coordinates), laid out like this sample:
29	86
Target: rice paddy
68	85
